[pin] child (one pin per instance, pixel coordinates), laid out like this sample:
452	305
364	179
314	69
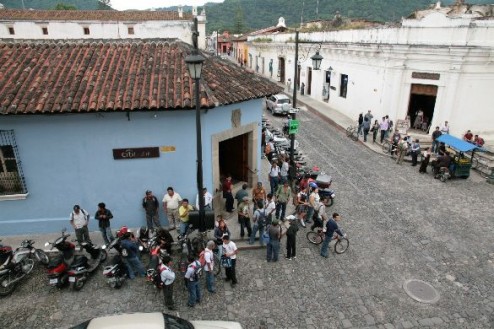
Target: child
291	237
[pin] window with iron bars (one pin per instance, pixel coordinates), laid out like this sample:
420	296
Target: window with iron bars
11	175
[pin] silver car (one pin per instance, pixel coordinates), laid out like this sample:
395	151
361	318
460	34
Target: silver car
280	104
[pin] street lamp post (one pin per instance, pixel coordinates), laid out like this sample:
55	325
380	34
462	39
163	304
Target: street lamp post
194	64
316	64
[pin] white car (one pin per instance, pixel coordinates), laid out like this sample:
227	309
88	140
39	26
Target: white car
152	321
280	104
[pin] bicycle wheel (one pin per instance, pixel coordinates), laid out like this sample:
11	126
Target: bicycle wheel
349	131
386	147
355	135
314	237
341	245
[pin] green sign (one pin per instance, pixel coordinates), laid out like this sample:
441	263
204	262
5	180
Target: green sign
293	126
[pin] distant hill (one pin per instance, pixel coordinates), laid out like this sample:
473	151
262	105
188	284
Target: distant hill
51	4
248	15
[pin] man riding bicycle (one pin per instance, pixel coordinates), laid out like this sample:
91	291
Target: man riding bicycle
330	228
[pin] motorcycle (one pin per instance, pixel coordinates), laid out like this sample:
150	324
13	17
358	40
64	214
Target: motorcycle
15	265
70	268
116	272
82	266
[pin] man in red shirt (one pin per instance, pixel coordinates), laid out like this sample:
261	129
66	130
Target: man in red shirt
468	136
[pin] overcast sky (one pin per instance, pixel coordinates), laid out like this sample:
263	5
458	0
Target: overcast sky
147	4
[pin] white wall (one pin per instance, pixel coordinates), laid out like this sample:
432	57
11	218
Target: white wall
380	63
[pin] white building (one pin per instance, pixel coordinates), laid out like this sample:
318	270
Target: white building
440	60
101	24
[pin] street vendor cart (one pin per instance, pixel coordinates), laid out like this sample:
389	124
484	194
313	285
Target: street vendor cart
461	153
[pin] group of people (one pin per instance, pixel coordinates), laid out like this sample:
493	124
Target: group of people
474	139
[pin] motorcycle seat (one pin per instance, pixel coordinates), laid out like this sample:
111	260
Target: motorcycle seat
79	260
55	261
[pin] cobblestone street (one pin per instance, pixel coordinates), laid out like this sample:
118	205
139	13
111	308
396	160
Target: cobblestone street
401	224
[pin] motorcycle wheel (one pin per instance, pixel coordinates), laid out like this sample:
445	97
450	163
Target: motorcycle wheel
27	265
6	288
77	285
104	255
42	257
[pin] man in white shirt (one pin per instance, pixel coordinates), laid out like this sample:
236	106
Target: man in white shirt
284	169
171	202
167	277
445	128
209	267
274	174
230	250
208	200
79	219
270	208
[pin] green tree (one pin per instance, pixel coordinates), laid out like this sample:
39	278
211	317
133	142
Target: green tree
63	6
239	25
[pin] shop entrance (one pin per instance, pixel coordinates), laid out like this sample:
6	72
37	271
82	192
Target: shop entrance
422	98
233	158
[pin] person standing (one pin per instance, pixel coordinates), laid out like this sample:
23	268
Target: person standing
375	130
258	195
415	150
369	116
151	206
79	219
383	126
366	126
208	200
227	194
402	150
241	194
244	217
435	143
445	128
291	239
329	230
270	208
285	167
230	251
274	175
183	214
425	161
219	232
171	202
273	246
313	202
209	267
360	124
168	278
282	196
129	245
103	217
192	279
259	224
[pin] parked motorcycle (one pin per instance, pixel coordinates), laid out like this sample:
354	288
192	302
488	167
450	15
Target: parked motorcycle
117	272
82	266
70	268
59	265
15	265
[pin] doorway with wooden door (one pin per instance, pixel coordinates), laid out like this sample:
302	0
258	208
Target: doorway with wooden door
233	158
422	100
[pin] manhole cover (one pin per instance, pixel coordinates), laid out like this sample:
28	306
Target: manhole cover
421	291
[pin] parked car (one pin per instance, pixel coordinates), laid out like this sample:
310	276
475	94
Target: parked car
280	104
152	321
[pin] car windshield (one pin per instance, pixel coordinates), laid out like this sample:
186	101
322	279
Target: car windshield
283	101
172	322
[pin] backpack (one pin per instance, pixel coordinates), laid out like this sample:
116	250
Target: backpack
197	272
202	258
262	219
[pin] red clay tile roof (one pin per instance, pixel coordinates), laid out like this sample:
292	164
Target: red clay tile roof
41	77
90	15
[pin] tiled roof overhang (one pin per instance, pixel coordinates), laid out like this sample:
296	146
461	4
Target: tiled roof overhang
90	15
76	76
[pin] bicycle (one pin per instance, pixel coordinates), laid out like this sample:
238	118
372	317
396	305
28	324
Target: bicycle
317	237
481	167
388	146
352	132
